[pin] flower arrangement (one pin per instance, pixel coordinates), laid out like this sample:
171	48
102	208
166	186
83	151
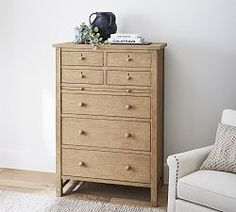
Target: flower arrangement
88	35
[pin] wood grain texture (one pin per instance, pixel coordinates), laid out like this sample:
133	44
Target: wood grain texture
70	45
106	105
117	59
112	90
157	123
82	76
105	181
82	58
107	134
102	149
154	131
105	67
58	122
128	78
106	165
107	87
112	116
160	109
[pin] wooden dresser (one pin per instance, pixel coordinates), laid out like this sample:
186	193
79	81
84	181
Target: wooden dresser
110	115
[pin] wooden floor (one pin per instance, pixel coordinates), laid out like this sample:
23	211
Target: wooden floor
44	183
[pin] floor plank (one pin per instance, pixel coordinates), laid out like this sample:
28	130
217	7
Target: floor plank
43	182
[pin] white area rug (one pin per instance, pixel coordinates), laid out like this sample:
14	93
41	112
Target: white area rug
26	202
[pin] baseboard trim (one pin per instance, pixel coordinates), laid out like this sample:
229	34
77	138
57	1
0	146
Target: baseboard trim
35	161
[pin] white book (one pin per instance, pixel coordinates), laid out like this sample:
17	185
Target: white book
123	40
121	35
127	39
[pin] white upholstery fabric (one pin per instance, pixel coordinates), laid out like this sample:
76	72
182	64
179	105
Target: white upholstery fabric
180	165
229	117
213	189
184	206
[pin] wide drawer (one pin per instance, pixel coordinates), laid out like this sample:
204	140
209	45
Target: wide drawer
106	165
82	58
128	78
123	59
82	76
107	105
106	133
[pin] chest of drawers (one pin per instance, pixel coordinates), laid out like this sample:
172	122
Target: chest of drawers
110	115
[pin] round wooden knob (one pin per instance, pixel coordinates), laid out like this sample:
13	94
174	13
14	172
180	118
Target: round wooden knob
81	104
128	77
81	163
128	107
128	59
81	132
81	89
128	90
127	135
127	167
81	57
82	76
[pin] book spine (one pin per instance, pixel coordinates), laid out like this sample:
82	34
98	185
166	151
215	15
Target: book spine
138	40
127	36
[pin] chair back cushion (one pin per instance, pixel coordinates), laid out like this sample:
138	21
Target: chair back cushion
229	117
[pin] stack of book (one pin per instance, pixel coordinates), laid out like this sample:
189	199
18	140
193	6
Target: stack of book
126	38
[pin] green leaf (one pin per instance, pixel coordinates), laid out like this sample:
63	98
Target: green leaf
95	29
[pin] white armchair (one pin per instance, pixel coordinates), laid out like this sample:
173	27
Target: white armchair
194	190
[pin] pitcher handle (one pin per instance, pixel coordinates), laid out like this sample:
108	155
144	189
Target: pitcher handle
111	17
91	17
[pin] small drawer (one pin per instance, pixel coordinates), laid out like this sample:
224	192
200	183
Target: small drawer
128	78
82	76
106	165
106	133
82	58
139	60
107	105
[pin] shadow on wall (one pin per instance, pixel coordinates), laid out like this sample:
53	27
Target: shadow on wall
48	118
199	88
143	26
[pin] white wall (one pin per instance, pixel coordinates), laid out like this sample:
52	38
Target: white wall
199	81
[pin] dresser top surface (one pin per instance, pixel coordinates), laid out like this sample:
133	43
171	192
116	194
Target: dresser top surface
153	45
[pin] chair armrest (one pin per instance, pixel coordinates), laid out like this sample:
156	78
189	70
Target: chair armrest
188	162
183	164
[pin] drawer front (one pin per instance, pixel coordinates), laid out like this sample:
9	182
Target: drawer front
128	78
82	58
106	165
82	76
142	60
106	133
107	105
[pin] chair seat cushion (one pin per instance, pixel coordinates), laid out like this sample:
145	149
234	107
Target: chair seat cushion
213	189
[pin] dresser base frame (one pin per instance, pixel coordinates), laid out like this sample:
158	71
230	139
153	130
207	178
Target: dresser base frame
77	181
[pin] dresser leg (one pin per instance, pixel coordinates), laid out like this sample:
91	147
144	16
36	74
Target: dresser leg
154	195
59	188
162	179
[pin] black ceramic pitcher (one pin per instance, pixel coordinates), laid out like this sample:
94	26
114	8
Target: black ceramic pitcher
105	22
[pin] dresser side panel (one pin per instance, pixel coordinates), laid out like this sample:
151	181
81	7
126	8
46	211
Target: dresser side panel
58	122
